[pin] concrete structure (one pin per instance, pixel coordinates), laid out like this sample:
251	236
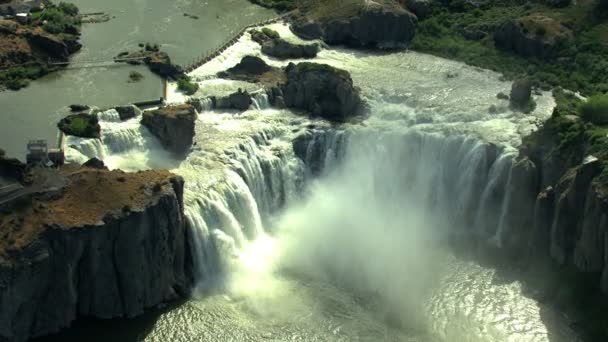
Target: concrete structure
38	153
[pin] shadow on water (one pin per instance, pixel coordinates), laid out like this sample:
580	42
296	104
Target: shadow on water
559	290
104	330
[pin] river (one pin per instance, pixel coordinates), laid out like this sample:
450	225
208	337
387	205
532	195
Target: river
33	112
358	252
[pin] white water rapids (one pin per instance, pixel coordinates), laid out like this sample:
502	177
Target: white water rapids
303	231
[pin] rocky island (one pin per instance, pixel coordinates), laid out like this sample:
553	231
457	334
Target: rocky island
97	243
36	40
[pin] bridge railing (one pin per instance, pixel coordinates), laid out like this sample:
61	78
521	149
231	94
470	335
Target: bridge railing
211	54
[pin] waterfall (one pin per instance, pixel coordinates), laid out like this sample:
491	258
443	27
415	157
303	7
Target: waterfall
118	138
260	101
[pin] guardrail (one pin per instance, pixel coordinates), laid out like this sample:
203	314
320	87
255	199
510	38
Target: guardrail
198	62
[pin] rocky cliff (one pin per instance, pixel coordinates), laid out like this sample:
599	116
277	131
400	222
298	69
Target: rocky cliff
383	24
111	245
173	125
322	90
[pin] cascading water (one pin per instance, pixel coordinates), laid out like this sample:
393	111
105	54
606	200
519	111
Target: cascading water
314	232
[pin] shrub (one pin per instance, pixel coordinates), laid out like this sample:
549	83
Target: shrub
595	110
135	76
68	8
187	86
270	33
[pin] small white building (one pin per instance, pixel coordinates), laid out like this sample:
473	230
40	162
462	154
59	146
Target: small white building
22	18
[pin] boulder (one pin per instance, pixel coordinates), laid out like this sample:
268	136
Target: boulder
160	63
95	163
79	108
249	65
127	112
322	90
306	28
173	126
240	100
473	33
381	25
259	37
49	43
532	36
254	69
421	8
282	49
521	94
82	125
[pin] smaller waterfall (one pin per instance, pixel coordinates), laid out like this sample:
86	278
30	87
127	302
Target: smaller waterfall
260	101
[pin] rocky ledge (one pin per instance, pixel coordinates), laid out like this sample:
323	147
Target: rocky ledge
275	46
319	89
82	125
157	61
532	36
382	24
108	244
173	125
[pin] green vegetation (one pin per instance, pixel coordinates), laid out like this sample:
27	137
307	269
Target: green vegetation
270	33
581	65
56	19
186	86
80	125
316	67
595	110
279	5
19	77
576	129
135	76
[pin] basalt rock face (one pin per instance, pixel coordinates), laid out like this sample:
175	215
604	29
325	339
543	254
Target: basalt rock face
568	220
282	49
322	90
532	36
130	260
52	45
173	126
240	100
383	26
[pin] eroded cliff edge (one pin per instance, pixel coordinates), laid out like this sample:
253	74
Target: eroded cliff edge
109	244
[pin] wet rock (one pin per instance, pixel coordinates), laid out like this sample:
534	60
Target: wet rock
95	163
322	90
173	126
249	65
79	108
521	94
502	96
127	112
282	49
306	28
543	219
571	193
239	100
